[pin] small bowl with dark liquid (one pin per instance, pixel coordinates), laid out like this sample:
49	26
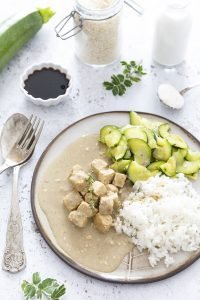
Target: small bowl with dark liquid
46	84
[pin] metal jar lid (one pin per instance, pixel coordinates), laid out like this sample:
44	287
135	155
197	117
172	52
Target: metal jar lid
64	35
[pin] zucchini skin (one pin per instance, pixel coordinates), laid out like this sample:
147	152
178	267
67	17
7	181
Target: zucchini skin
16	35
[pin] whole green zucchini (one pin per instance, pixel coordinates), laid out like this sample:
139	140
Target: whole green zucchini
17	30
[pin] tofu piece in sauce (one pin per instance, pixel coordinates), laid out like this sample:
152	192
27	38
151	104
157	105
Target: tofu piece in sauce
76	168
112	188
78	218
119	180
97	165
86	209
99	189
107	203
102	222
106	176
79	181
72	200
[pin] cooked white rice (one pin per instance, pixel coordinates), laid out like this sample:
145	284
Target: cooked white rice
162	215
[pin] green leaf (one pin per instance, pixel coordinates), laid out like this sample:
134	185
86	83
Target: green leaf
108	85
133	63
39	294
122	89
115	80
124	63
36	278
136	79
59	292
127	83
29	291
120	77
49	288
131	73
115	90
126	72
24	284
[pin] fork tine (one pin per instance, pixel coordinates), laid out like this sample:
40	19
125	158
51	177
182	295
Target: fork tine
21	137
26	137
32	146
31	137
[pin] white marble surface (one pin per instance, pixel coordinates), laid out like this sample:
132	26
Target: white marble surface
89	97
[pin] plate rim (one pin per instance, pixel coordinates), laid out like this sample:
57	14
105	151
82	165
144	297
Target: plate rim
70	261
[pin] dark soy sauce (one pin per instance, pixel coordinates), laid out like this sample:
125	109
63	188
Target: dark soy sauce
46	83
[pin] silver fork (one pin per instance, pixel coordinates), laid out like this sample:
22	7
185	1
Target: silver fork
14	258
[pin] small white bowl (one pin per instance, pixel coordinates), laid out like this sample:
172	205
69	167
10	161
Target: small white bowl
50	101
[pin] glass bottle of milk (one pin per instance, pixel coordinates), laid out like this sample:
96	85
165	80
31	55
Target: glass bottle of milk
172	33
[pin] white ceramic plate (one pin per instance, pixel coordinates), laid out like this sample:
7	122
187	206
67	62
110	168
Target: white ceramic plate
135	266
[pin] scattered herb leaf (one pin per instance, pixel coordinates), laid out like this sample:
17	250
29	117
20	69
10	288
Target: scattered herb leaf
42	289
131	73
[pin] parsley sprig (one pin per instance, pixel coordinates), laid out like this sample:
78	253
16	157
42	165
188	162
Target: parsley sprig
131	74
42	289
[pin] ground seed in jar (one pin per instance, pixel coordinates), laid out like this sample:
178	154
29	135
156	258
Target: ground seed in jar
98	42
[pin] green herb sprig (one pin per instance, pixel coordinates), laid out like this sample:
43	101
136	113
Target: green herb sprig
42	289
131	74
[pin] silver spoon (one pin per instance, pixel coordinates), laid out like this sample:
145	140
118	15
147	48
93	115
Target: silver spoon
18	140
171	97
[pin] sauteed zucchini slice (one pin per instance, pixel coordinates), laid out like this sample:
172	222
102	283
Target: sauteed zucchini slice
141	151
163	151
120	166
119	151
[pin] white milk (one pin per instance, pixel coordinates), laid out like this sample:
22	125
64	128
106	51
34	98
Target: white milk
172	33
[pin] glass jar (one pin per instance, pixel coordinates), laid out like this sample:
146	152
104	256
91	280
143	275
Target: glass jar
172	33
96	30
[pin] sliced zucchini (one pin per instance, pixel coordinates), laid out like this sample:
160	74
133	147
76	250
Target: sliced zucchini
105	131
120	166
150	138
176	141
164	130
178	154
154	166
184	152
135	119
112	139
123	128
193	155
193	176
189	167
137	172
141	151
169	168
128	154
119	151
135	133
163	151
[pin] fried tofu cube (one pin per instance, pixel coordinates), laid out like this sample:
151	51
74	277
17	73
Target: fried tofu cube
119	180
99	189
106	176
98	164
86	209
102	222
112	188
76	168
78	218
72	200
91	198
79	181
107	203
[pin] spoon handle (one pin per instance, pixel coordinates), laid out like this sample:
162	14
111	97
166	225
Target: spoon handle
14	258
189	88
3	167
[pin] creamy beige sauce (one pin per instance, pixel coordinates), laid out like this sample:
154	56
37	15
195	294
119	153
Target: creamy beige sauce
87	246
